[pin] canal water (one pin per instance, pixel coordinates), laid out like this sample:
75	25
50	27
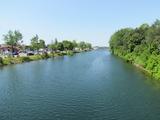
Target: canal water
87	86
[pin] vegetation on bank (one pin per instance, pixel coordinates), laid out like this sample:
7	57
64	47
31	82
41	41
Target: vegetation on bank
14	39
140	46
17	60
37	49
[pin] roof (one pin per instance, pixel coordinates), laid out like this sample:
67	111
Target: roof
3	46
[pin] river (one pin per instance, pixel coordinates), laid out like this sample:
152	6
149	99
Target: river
87	86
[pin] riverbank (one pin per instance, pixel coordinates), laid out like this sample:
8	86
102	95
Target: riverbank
139	46
145	67
20	60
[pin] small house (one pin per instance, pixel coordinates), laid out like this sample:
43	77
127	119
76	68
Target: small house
6	50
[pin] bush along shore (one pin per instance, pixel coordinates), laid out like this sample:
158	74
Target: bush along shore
18	60
139	46
13	51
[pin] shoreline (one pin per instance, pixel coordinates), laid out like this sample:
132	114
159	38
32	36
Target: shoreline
139	67
20	60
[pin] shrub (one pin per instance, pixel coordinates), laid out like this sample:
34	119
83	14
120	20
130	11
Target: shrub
1	61
25	59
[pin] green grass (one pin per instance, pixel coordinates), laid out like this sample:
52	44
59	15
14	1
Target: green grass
18	60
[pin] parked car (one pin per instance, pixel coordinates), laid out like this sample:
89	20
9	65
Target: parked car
22	53
29	53
15	53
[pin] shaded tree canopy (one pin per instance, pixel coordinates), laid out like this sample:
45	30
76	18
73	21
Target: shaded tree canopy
139	45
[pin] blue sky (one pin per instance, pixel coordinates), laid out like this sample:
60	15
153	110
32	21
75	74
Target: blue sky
88	20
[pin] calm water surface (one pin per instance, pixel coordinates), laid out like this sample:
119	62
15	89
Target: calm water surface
88	86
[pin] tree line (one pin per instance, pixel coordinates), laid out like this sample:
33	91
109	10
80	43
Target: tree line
140	46
14	38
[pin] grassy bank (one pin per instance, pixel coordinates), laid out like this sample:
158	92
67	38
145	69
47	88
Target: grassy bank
140	46
19	60
148	63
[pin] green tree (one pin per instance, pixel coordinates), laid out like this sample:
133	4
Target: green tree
88	45
12	38
60	46
75	44
42	44
53	47
82	45
35	43
56	41
140	45
67	45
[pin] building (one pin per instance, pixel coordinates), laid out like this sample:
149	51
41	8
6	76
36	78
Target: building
6	50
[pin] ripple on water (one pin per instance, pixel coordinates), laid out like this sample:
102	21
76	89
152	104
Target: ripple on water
88	86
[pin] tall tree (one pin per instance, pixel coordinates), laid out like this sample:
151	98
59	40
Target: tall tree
35	42
82	45
60	46
74	44
88	45
67	45
56	41
42	44
12	38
